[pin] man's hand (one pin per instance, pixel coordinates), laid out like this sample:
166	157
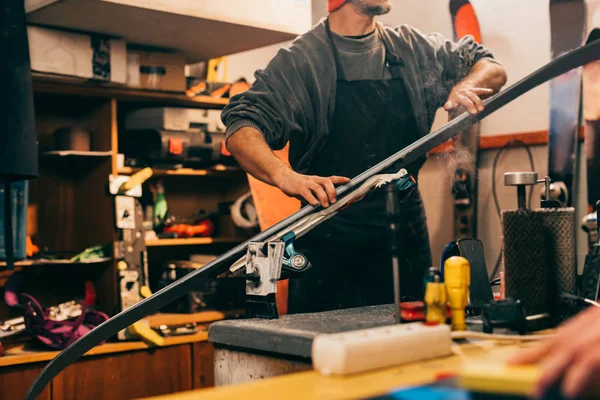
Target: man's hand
572	358
466	96
314	189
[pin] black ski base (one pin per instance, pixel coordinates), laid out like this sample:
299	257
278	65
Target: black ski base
264	307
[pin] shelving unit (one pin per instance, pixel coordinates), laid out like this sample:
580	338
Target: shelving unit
199	29
72	207
82	88
192	241
215	171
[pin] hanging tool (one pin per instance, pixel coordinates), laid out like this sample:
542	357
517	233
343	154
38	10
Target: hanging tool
457	277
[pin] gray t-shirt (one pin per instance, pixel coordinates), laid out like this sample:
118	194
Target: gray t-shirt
362	59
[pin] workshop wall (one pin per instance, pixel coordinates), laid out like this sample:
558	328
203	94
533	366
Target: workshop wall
518	34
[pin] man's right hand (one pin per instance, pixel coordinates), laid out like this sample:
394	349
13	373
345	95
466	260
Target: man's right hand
313	189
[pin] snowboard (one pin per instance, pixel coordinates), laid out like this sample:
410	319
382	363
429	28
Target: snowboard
464	185
301	219
568	30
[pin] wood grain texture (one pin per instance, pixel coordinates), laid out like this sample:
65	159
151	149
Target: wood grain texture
203	365
127	375
15	382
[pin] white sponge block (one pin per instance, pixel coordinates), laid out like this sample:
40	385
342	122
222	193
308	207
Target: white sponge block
369	349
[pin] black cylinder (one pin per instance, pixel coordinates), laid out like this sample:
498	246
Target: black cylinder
18	142
539	260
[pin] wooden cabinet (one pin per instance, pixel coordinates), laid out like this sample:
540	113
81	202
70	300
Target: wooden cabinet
135	373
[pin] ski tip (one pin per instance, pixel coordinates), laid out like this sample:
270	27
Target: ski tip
595	35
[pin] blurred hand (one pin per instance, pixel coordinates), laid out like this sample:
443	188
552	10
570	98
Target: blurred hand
572	358
465	96
313	189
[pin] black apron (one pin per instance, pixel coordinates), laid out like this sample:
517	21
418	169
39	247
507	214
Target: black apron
373	119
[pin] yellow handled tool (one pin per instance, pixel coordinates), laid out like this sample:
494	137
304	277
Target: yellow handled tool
457	278
136	179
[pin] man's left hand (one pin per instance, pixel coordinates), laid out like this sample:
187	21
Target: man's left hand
467	96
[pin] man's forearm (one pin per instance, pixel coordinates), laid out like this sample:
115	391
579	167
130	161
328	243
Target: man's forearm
254	155
487	74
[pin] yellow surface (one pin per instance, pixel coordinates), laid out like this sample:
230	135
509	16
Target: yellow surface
310	385
494	377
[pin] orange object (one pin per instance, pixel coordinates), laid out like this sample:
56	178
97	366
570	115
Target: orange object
239	87
333	5
196	89
221	91
467	23
224	150
415	311
272	206
203	229
30	248
175	146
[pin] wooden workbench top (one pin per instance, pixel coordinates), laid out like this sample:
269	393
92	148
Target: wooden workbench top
310	385
23	355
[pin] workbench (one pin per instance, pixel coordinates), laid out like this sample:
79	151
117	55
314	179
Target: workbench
124	369
252	349
310	385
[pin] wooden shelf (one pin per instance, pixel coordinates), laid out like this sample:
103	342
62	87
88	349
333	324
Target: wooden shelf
191	241
186	171
19	265
186	26
79	87
29	263
23	355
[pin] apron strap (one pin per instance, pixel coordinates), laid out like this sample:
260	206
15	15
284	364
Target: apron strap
338	65
392	61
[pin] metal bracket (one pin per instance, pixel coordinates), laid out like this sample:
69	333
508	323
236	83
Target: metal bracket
263	270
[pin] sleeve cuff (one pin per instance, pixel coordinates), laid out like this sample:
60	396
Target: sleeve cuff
237	125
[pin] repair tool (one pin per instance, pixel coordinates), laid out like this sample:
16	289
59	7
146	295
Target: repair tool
539	253
435	301
457	278
311	216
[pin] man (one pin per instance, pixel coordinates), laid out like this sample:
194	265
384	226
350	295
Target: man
346	95
571	359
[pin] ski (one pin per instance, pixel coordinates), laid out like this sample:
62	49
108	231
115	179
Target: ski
591	115
568	29
464	186
404	157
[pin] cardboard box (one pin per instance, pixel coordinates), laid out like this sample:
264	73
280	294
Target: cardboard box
156	70
76	54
